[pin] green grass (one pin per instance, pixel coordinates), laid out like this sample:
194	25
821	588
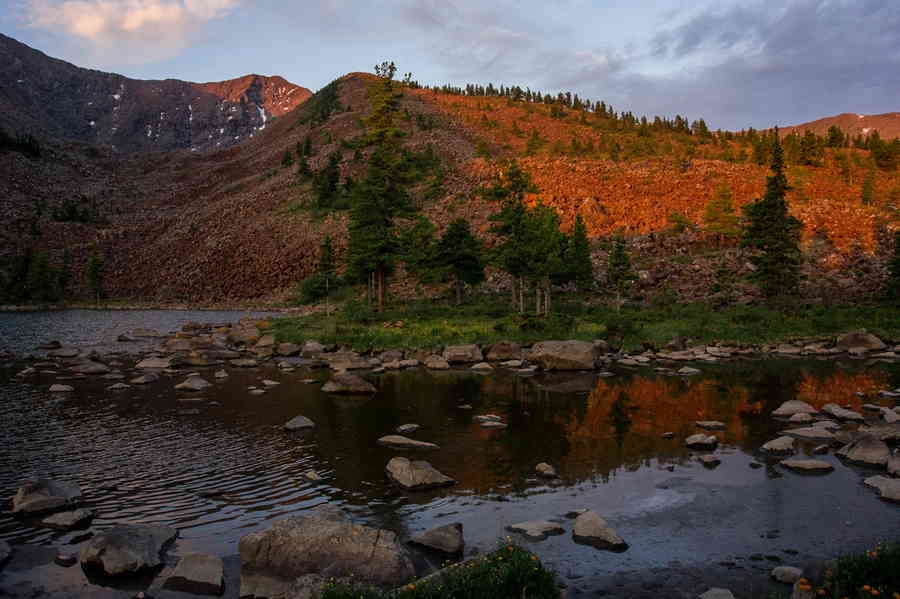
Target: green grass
508	573
488	319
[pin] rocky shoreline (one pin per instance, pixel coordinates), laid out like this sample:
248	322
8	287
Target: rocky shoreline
272	564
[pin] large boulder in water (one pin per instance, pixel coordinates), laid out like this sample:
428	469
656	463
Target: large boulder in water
321	544
866	449
447	539
563	355
45	495
463	354
348	384
198	573
860	339
591	529
127	549
791	407
401	442
416	475
504	350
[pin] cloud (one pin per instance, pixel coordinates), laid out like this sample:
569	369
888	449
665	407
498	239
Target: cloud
128	31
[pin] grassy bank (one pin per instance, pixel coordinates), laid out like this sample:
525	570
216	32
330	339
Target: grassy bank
428	324
508	573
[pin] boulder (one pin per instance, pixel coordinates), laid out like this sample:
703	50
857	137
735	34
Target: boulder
198	573
322	542
461	354
349	384
800	418
447	539
791	407
144	379
504	350
45	495
312	349
69	520
401	442
245	363
436	363
815	466
288	349
591	529
221	374
781	445
57	388
483	366
90	367
701	441
786	574
416	475
893	465
298	423
127	549
688	371
154	363
836	411
717	593
710	425
66	352
866	449
193	383
405	429
860	339
493	424
537	529
267	340
545	470
888	488
710	461
563	355
391	355
811	433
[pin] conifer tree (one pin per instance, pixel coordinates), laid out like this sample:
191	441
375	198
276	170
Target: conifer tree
892	289
288	159
868	189
577	260
544	246
720	217
619	274
773	235
95	269
458	254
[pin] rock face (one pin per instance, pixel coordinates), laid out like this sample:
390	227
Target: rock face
299	423
349	384
416	475
462	354
591	529
781	445
57	99
324	542
127	549
866	449
537	529
888	488
67	520
819	466
861	340
563	355
447	538
791	407
198	573
45	495
401	442
701	441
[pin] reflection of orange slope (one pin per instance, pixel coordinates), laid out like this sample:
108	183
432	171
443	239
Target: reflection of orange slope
839	388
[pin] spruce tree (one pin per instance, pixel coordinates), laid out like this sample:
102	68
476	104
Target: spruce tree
720	217
543	256
773	235
619	274
868	189
892	289
95	268
458	255
577	263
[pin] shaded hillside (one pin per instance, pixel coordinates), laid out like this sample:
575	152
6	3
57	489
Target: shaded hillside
887	125
51	98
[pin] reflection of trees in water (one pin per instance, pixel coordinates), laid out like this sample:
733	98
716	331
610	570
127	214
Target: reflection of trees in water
618	415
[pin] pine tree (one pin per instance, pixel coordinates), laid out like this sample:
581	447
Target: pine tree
868	189
543	252
95	268
720	217
773	235
458	255
577	260
892	289
288	159
619	275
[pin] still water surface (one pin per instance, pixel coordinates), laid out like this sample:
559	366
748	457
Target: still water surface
217	464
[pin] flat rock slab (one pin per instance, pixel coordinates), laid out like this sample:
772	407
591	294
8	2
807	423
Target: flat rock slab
68	520
198	573
416	475
299	423
493	424
127	549
405	429
57	388
792	407
45	495
710	425
888	488
193	383
866	449
591	529
811	433
537	529
447	539
701	441
401	442
90	367
154	363
840	413
816	466
144	379
781	445
348	384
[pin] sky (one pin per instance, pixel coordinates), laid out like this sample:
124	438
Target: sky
735	63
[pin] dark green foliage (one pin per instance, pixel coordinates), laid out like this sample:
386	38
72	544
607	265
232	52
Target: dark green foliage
864	575
619	274
720	217
288	159
868	189
457	255
22	143
327	185
577	265
95	274
417	249
508	573
773	235
892	289
511	221
74	211
322	104
31	277
326	264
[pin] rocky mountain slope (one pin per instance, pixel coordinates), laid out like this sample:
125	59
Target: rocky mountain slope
52	98
887	125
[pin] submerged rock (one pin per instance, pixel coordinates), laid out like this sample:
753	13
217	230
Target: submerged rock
447	538
591	529
45	495
127	549
710	425
807	465
701	441
90	367
193	383
145	379
349	384
155	363
198	573
57	388
401	442
299	423
537	529
888	488
68	520
416	475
